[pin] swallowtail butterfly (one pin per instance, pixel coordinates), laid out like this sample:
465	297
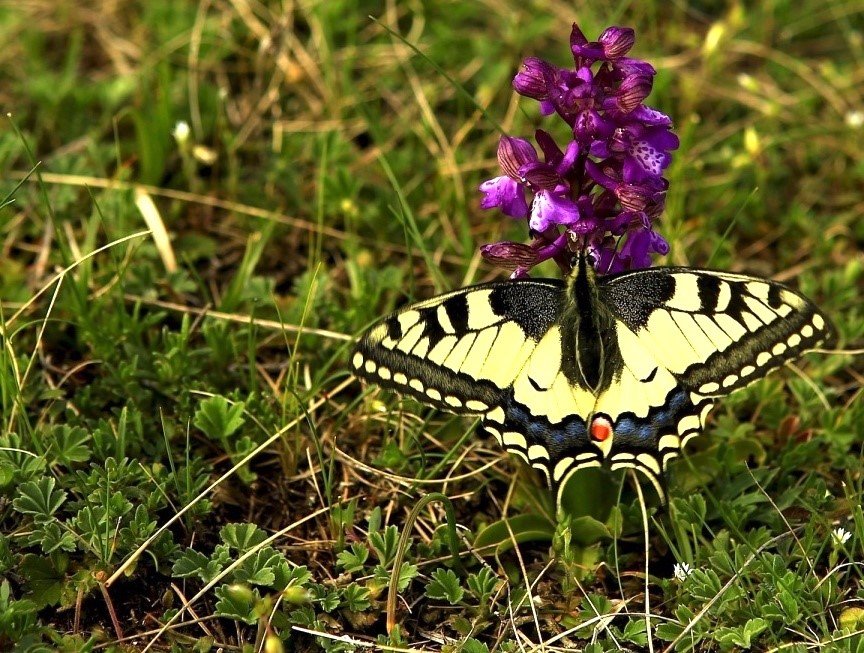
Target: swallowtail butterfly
617	370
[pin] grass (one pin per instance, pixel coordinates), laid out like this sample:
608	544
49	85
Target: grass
185	462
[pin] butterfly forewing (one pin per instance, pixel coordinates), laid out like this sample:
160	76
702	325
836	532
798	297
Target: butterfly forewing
461	351
715	332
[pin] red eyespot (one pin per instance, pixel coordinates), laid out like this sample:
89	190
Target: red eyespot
601	429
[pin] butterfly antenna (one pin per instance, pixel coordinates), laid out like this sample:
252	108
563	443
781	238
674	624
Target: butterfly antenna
615	251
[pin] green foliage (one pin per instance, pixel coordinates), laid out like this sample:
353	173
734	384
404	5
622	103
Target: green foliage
329	175
445	585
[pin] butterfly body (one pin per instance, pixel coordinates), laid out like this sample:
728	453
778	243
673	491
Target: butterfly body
617	370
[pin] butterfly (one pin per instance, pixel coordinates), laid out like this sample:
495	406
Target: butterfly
619	370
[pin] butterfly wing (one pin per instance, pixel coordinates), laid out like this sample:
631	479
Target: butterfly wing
715	332
493	350
461	351
688	336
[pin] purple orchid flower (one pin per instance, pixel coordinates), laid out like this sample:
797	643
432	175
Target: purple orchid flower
605	190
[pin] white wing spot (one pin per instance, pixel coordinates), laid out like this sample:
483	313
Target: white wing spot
450	400
794	340
668	456
730	325
422	348
521	454
441	350
561	467
514	439
370	367
433	394
496	415
480	313
686	423
649	461
410	338
708	388
378	334
730	380
495	433
400	378
761	310
416	384
457	355
818	322
807	331
473	404
357	361
537	451
407	320
702	417
792	299
686	295
479	352
751	321
669	441
384	373
779	348
724	295
747	370
758	289
763	358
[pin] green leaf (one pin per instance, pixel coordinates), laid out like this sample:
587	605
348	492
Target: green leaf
258	569
635	632
39	497
356	597
445	585
352	560
384	544
471	645
288	576
51	537
482	584
69	445
741	636
668	631
217	418
237	602
328	599
525	528
407	573
190	563
17	617
43	580
242	536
